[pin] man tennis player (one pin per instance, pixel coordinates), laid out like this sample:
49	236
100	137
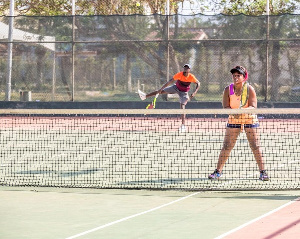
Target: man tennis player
232	100
181	87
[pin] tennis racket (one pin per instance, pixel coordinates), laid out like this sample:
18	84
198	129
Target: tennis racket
152	104
244	95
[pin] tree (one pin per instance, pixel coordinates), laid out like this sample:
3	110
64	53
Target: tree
254	7
87	7
134	28
276	28
116	30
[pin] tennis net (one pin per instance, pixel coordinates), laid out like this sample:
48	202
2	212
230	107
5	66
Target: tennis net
145	149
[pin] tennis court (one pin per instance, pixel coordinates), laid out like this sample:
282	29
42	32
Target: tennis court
143	152
116	174
101	213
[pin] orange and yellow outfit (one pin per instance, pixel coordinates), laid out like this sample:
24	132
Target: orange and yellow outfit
240	120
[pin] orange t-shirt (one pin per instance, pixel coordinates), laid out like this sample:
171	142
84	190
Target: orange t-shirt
179	77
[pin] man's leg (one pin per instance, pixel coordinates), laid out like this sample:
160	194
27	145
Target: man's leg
182	106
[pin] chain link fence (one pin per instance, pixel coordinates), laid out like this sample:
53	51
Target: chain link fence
107	58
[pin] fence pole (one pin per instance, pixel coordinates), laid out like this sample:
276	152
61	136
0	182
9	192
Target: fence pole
73	48
168	37
267	52
9	50
54	76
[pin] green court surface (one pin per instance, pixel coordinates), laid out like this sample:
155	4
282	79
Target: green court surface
35	213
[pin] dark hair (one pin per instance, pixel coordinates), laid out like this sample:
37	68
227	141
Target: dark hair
240	69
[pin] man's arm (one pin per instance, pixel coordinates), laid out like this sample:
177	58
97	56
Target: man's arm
197	88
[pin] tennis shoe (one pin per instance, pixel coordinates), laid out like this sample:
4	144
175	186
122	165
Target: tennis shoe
182	128
263	176
215	175
142	95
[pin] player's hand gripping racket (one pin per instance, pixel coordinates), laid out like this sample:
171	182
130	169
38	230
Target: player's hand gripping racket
152	104
244	95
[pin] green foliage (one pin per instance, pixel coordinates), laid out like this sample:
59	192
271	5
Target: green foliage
128	7
43	8
257	7
88	7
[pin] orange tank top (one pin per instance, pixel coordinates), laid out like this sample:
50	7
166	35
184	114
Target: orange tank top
235	102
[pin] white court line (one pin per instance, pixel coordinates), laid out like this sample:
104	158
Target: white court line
130	217
256	219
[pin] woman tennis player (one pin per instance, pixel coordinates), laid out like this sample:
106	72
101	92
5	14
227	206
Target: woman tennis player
232	99
183	81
